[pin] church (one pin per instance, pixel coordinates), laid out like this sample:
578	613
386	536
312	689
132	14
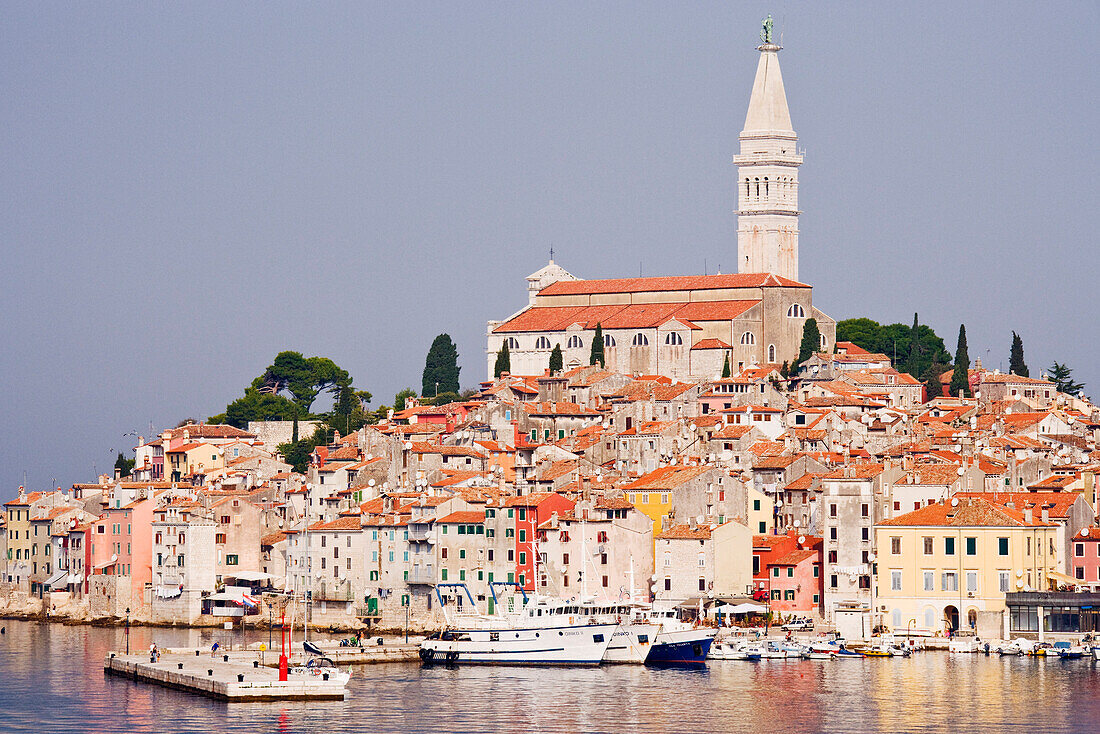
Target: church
686	326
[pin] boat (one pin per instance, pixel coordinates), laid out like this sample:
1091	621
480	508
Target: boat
1068	651
1096	652
323	668
879	650
734	649
678	642
842	651
820	651
773	651
544	632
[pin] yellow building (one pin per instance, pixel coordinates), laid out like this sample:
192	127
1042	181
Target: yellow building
947	562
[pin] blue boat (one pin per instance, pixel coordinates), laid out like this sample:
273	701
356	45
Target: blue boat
680	652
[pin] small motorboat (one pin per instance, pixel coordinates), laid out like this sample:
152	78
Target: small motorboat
773	650
322	668
1068	651
842	651
879	651
820	651
734	650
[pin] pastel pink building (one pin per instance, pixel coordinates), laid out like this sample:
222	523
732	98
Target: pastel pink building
1084	559
121	544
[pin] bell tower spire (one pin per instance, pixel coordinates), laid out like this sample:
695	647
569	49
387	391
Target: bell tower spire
767	172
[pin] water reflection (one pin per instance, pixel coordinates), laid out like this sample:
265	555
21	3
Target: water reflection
53	681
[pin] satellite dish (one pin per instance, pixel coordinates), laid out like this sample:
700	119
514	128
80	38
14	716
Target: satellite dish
370	482
700	519
779	503
954	501
797	523
801	538
114	557
961	471
1084	532
408	445
1019	573
369	456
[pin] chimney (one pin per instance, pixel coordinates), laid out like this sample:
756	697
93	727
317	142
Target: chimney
1045	514
1029	516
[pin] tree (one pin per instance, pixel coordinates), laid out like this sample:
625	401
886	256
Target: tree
446	397
1061	376
932	379
440	367
811	342
258	406
726	366
504	361
400	398
960	380
784	369
597	347
556	360
1016	364
124	465
349	412
897	342
913	359
303	378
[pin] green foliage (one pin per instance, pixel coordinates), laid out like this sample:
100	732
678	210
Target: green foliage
258	406
811	342
784	369
726	366
440	367
556	360
400	398
916	349
446	397
296	453
933	386
596	355
1016	364
303	378
896	342
960	380
504	361
124	465
1062	376
349	413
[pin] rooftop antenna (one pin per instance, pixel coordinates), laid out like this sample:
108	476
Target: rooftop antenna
551	252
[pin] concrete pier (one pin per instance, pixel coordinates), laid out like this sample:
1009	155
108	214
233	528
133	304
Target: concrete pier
239	679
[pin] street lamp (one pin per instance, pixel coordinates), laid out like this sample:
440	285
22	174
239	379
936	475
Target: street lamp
127	631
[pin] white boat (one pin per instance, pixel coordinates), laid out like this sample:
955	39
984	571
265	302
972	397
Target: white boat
678	641
321	668
631	642
734	649
773	650
820	651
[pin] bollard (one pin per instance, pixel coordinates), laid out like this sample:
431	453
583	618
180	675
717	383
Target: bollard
179	666
255	663
324	676
210	671
225	658
240	677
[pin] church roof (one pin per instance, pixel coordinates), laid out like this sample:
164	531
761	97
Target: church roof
635	316
768	110
669	283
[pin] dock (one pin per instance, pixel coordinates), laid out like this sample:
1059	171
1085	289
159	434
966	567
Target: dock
224	677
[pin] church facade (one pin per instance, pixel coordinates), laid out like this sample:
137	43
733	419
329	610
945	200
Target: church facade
686	326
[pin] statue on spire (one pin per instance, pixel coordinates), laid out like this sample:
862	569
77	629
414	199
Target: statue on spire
766	29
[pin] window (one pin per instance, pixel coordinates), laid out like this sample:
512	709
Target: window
542	343
522	558
865	510
771	353
668	584
512	342
1078	550
790	572
928	540
796	312
929	581
756	507
639	340
748	338
832	581
971	546
972	581
219	538
949	547
574	342
608	340
895	581
231	560
950	581
1002	581
895	545
1079	572
865	533
775	571
442	574
832	510
1002	546
832	556
832	533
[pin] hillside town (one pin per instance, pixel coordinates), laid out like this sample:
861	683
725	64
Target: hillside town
838	494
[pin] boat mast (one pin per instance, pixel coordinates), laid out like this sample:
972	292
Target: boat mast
309	574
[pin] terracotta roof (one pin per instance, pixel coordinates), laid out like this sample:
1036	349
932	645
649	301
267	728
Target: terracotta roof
464	517
210	430
969	512
668	283
856	471
342	523
710	344
623	316
667	477
1057	504
685	532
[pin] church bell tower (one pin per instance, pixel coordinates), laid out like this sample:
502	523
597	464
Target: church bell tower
767	173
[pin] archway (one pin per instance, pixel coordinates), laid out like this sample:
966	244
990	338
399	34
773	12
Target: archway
951	618
972	618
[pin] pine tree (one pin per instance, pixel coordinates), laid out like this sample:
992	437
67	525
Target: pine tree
726	366
1016	364
785	370
440	367
504	360
597	347
960	379
556	360
811	342
1062	377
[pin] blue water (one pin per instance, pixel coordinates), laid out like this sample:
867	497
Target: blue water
52	681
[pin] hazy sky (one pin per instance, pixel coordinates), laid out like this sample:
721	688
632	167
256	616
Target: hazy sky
187	189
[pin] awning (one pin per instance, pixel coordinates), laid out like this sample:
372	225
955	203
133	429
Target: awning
253	576
56	579
747	608
224	596
75	578
168	592
1063	578
105	564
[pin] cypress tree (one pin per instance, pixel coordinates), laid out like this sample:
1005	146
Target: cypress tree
811	342
912	363
556	360
440	367
504	360
597	347
960	379
726	366
1016	364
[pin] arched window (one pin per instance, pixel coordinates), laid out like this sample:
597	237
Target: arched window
796	312
748	338
823	344
639	341
765	186
748	189
758	188
574	342
674	340
608	340
542	343
512	342
771	353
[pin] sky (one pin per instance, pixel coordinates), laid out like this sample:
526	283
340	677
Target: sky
187	189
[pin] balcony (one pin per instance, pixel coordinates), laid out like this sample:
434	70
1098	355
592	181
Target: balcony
419	533
329	590
421	575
